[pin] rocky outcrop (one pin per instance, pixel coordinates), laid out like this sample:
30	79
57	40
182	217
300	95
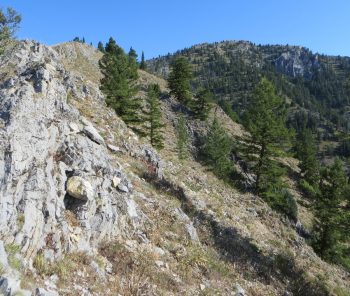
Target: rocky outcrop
53	162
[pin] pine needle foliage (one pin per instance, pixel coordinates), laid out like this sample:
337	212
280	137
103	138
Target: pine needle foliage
9	24
179	80
331	231
265	120
216	151
202	104
119	82
153	117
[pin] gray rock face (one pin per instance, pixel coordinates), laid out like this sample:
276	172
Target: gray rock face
93	134
42	155
43	292
11	286
3	256
239	291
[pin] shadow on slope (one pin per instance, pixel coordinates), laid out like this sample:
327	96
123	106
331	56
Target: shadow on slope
278	270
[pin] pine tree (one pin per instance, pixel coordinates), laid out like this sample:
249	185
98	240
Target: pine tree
143	65
182	139
119	83
9	23
265	120
133	63
332	236
216	151
179	80
153	117
306	152
100	47
203	104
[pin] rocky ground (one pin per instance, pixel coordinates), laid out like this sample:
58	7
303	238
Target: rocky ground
88	208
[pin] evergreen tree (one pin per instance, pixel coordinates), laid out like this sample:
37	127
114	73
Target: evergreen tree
133	63
216	151
119	83
179	80
332	236
100	47
153	117
143	65
306	152
265	120
182	139
203	103
227	108
9	23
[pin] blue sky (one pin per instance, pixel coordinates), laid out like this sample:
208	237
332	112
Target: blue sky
159	27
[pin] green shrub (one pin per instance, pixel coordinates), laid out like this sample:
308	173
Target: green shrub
12	250
2	269
307	188
283	201
40	263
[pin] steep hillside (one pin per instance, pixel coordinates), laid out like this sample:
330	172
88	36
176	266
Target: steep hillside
311	82
89	208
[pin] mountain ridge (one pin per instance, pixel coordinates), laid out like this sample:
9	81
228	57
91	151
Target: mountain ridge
318	83
144	222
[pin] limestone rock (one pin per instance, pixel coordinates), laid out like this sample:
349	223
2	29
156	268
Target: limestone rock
79	188
192	232
44	156
74	127
116	181
113	148
93	134
3	256
238	290
43	292
11	286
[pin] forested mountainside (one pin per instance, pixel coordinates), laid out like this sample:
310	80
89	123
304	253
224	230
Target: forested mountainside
316	86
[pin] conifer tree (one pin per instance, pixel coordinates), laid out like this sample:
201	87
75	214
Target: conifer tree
332	236
306	152
182	139
119	83
179	80
100	47
216	151
9	23
133	63
265	119
153	117
143	63
202	104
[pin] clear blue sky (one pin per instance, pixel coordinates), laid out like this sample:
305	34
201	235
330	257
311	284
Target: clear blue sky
161	26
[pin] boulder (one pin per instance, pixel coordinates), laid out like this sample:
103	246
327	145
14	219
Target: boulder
192	232
113	148
116	181
79	188
93	134
238	290
73	127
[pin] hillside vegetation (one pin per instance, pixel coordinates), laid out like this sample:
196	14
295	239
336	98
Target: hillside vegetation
114	181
